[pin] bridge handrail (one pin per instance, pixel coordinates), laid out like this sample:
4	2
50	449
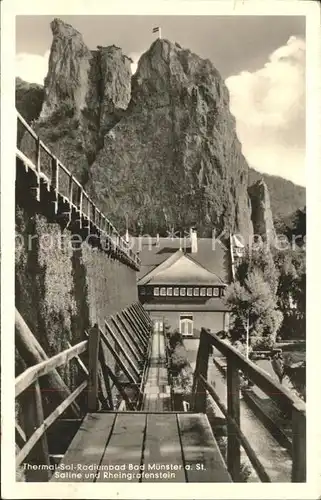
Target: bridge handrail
236	362
30	375
103	221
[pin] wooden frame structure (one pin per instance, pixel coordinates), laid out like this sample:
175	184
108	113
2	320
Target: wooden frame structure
51	180
236	362
32	440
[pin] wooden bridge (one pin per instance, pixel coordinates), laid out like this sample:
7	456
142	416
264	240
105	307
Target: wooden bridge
40	173
140	437
119	423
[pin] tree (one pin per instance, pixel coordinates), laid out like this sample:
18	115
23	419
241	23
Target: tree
253	301
291	291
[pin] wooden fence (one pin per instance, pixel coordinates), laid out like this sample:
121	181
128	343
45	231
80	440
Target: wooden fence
31	440
237	363
69	196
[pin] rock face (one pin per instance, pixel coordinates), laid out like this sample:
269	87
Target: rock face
158	150
85	91
29	99
174	158
261	211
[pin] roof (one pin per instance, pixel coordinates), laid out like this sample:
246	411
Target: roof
213	304
180	269
163	252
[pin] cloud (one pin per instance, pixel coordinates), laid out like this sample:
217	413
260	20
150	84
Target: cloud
269	107
32	67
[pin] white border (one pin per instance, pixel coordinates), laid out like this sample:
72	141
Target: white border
10	8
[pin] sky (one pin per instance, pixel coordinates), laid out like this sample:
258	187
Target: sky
261	58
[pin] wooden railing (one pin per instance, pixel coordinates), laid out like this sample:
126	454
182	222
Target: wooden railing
289	403
58	178
31	438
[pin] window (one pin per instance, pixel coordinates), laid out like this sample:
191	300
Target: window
163	291
216	292
142	290
223	292
203	292
190	292
196	292
176	292
156	291
170	291
149	290
209	292
186	324
182	292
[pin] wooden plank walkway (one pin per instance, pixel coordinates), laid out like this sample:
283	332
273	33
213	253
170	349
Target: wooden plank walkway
142	447
157	395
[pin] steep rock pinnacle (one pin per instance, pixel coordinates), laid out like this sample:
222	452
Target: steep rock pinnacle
174	158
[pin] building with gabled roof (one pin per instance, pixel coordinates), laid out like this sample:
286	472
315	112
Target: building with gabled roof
182	282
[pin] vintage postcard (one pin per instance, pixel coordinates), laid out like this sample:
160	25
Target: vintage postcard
159	331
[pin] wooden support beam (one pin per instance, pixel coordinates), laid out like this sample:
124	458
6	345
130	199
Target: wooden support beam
125	339
123	352
119	387
145	313
32	373
70	188
132	322
143	328
20	436
38	167
55	181
33	418
298	446
118	360
233	410
93	351
135	328
131	336
141	311
32	353
104	364
39	431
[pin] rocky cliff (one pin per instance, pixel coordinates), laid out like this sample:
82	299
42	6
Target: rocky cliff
159	148
84	93
261	211
29	100
174	158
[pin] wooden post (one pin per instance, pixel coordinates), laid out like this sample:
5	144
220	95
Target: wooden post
38	167
201	368
106	375
80	200
55	180
233	411
93	352
298	446
70	188
32	353
33	418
